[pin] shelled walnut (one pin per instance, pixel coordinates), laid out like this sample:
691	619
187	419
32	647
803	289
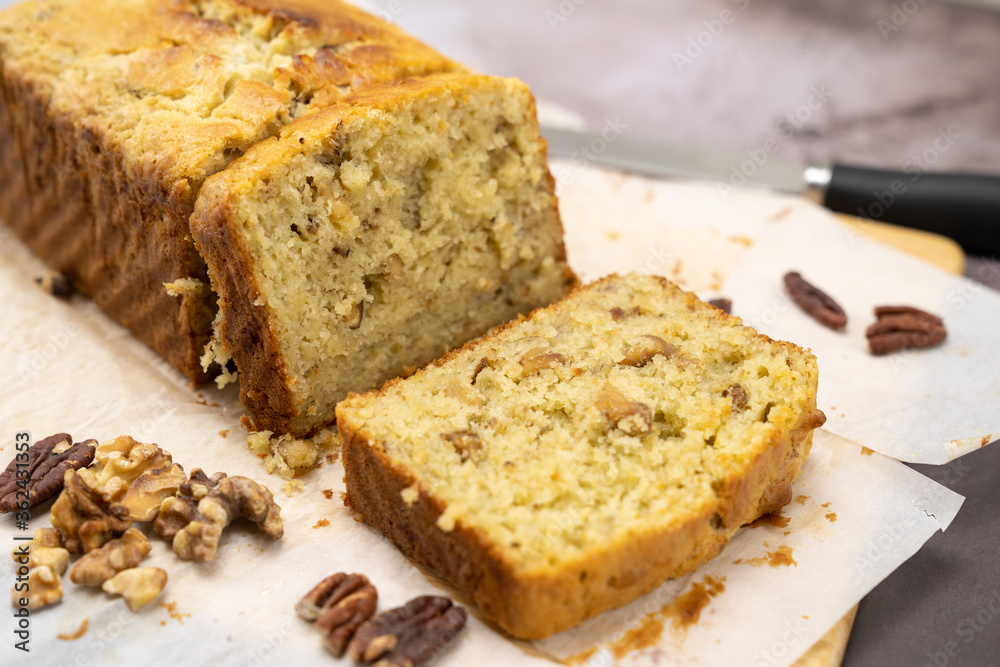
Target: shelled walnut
117	555
195	518
145	494
32	556
121	461
83	517
138	585
43	587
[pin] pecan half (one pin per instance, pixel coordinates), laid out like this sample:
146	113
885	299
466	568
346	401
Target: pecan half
815	302
738	396
466	443
901	327
630	417
48	461
725	305
645	348
409	635
339	604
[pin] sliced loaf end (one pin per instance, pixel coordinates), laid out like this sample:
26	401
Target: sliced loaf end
374	236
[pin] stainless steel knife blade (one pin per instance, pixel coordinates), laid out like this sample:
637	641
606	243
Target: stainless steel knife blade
730	168
962	206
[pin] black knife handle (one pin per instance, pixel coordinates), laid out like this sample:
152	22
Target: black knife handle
964	207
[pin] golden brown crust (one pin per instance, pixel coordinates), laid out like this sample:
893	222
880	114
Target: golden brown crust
70	203
264	375
543	603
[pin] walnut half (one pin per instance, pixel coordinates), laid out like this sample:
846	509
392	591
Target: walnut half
82	516
120	554
147	492
195	519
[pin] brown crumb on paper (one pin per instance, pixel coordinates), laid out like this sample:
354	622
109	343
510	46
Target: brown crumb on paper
831	517
826	504
76	634
774	519
322	523
866	452
801	500
782	214
328	494
782	557
683	612
171	608
224	433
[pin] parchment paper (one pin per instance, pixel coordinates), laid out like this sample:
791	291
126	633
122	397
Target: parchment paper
69	368
927	406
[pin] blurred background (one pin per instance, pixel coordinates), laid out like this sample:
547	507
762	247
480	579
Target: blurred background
866	82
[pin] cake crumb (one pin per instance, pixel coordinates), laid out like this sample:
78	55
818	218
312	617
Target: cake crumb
293	486
866	452
781	557
289	457
322	523
831	517
76	634
224	433
185	287
171	608
410	494
328	494
801	500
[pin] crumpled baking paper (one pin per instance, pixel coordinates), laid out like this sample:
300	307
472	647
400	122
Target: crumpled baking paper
69	368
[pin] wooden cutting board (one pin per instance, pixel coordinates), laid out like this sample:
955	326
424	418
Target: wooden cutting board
947	255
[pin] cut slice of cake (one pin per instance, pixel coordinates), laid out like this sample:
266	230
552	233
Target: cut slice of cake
576	459
372	237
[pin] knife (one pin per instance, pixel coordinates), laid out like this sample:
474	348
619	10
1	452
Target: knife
962	206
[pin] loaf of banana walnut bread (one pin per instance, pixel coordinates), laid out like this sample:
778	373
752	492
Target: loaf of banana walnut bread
576	459
422	197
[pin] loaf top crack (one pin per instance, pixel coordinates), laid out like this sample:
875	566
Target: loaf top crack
182	87
558	451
